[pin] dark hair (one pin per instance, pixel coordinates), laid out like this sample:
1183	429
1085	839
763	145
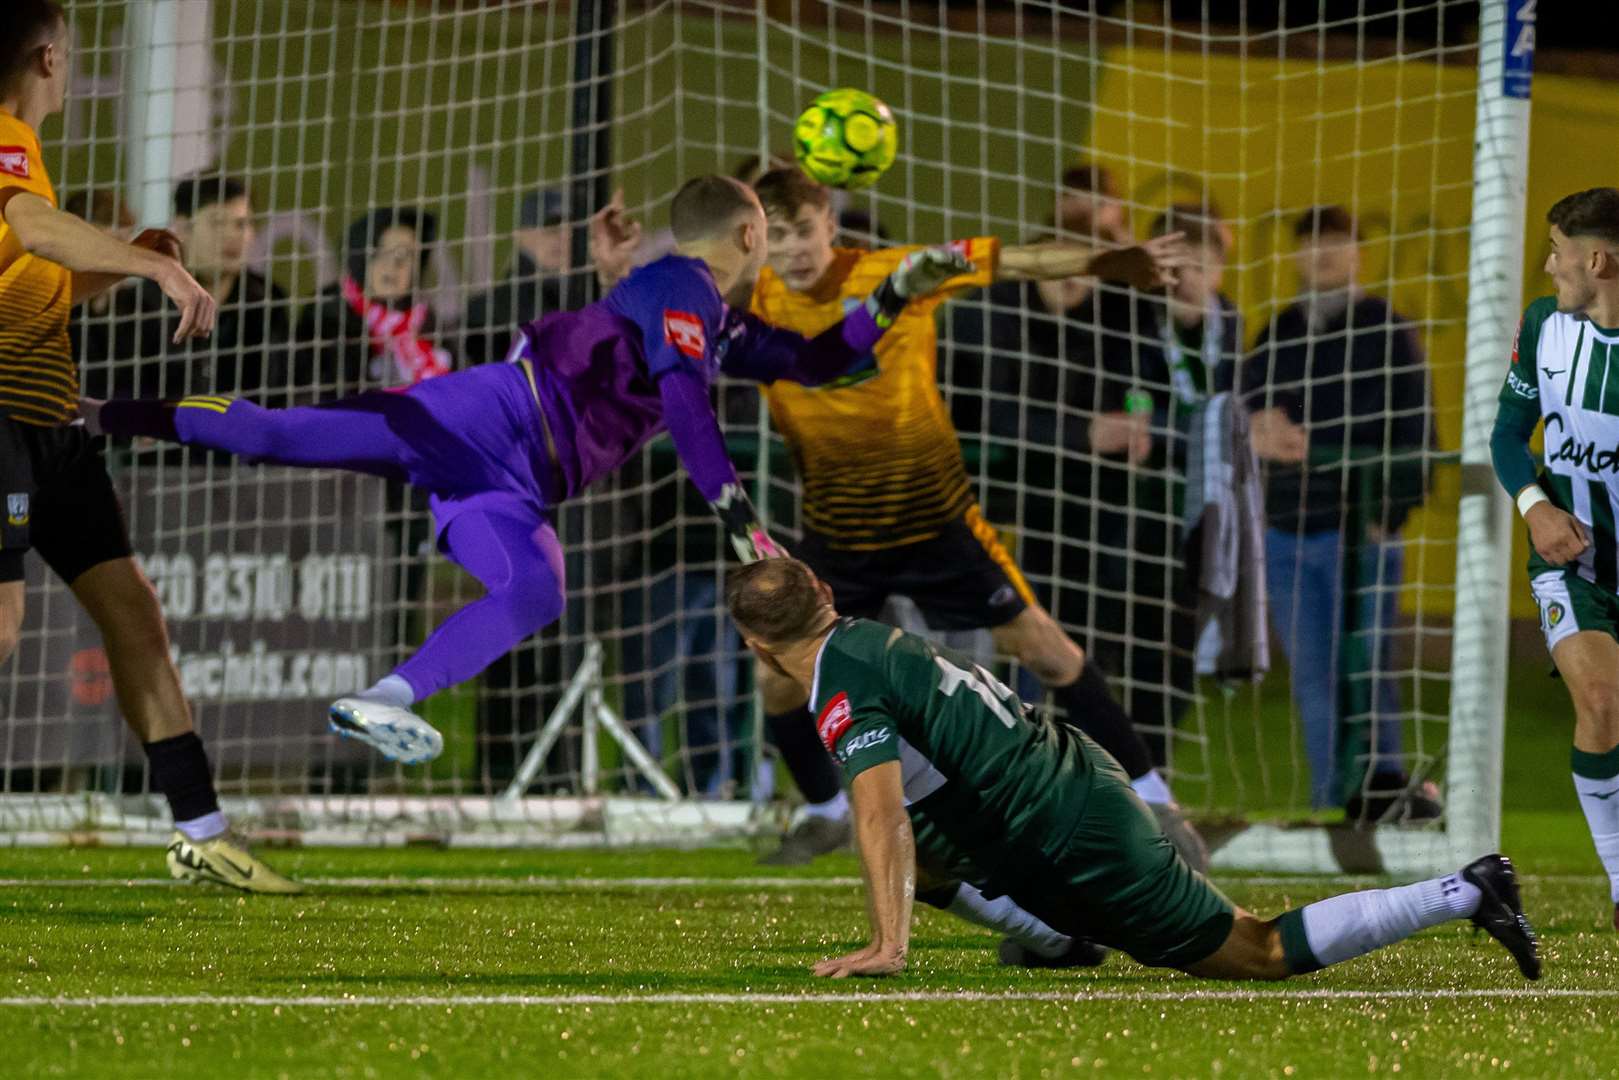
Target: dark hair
750	168
100	207
25	25
200	192
774	600
1097	179
787	191
857	228
364	233
1200	224
705	205
1593	212
1325	221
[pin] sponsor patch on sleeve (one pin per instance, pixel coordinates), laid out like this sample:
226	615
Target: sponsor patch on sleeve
684	331
834	721
14	161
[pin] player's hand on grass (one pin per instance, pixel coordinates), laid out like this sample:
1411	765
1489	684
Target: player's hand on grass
1152	264
1122	433
872	960
614	239
162	241
926	271
1558	536
196	304
1275	437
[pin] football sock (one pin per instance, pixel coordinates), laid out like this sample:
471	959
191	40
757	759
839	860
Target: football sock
1090	707
811	767
1343	927
179	767
132	419
390	690
1003	914
1596	781
835	808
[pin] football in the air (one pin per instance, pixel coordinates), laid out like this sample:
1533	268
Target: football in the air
847	138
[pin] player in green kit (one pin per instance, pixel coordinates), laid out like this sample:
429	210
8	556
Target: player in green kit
1565	369
947	770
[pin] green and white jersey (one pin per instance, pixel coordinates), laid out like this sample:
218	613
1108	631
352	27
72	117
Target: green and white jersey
1566	368
986	784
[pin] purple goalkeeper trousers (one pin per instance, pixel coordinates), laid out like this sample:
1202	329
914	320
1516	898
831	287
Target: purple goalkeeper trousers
470	439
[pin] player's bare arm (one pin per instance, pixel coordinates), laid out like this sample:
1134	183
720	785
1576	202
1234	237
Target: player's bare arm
87	285
888	860
69	241
1151	264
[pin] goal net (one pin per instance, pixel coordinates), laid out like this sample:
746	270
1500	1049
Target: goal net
442	158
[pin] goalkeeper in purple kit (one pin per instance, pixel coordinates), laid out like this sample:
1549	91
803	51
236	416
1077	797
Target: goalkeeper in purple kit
496	447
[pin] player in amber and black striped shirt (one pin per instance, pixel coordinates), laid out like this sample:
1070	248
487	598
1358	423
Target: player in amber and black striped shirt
59	499
887	506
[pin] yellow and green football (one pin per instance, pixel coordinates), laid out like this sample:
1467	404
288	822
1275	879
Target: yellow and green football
847	139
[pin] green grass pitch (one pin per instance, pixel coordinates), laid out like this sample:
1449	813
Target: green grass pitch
424	962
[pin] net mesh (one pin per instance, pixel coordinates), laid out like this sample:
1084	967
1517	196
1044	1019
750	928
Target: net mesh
480	127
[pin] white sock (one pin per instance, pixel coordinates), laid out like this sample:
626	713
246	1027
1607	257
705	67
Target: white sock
203	828
90	413
1152	788
1342	927
835	808
1600	801
1003	914
390	690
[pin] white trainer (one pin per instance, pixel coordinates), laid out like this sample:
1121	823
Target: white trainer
397	734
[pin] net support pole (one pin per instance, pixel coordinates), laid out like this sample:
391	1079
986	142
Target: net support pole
591	149
168	88
1485	519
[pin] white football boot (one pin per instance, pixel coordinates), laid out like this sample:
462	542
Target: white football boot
397	734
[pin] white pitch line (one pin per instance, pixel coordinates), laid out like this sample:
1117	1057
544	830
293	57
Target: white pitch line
761	998
535	883
553	883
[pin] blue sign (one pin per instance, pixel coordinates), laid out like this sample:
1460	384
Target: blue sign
1519	67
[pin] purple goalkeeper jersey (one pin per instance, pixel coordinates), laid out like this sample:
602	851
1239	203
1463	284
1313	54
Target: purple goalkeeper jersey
610	376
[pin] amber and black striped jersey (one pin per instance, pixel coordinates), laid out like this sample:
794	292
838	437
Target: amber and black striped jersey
876	453
39	383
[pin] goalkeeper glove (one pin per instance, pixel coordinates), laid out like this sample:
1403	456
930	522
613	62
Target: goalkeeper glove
918	274
748	537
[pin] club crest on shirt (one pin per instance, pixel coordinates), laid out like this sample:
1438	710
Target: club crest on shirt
834	721
14	161
684	331
17	509
1554	614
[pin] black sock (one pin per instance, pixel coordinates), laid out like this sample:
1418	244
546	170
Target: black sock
129	419
940	896
1091	708
812	768
180	771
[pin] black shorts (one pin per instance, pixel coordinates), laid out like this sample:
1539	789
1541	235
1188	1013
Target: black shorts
961	579
59	501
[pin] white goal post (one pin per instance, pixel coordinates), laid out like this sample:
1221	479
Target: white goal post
633	719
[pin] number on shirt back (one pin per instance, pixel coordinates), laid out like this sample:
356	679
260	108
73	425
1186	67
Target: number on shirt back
990	690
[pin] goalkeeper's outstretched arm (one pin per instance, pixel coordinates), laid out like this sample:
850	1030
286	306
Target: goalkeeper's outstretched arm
766	353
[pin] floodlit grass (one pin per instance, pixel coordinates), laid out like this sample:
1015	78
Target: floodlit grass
598	944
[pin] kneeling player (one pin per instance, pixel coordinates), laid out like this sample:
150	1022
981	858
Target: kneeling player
944	765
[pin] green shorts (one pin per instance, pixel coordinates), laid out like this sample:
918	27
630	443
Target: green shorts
1121	883
1569	604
